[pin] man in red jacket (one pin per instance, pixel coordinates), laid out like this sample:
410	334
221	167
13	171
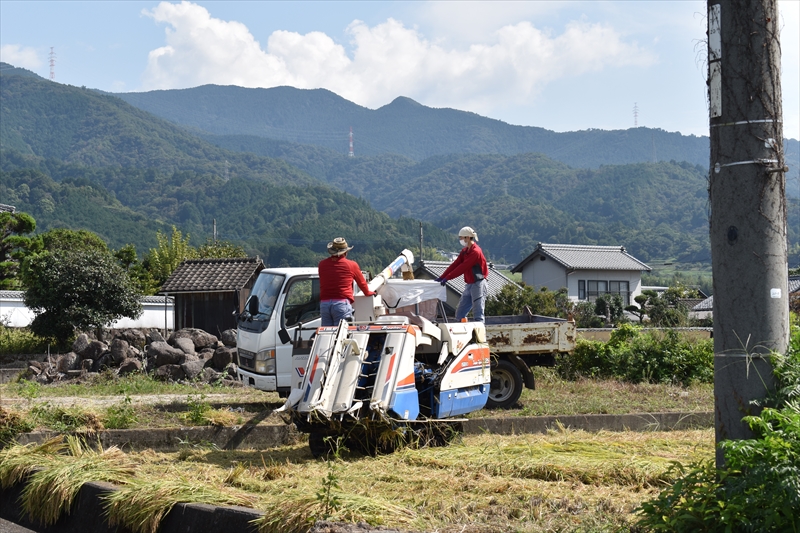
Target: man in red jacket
472	264
336	276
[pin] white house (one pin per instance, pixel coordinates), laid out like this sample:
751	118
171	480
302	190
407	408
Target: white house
157	314
586	271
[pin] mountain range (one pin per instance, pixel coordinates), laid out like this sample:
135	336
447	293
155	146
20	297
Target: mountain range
270	168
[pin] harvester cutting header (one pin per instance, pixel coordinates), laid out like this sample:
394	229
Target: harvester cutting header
386	378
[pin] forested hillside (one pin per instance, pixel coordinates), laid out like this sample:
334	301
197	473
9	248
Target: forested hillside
405	127
657	210
321	118
78	159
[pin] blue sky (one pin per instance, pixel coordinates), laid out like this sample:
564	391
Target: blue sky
560	65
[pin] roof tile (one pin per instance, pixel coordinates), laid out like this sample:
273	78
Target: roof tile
209	275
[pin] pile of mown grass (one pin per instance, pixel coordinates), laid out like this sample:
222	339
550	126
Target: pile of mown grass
561	481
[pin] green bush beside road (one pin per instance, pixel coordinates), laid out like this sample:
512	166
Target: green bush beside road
635	356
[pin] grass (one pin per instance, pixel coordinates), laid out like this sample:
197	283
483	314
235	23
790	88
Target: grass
42	408
107	384
561	481
555	396
141	504
52	488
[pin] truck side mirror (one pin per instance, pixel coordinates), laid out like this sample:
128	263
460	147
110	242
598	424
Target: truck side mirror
252	305
283	335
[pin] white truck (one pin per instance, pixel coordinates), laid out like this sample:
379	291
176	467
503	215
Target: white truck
281	317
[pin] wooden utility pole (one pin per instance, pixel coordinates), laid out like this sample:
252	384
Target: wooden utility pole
748	207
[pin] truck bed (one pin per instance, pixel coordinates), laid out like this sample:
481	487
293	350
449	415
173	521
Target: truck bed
529	334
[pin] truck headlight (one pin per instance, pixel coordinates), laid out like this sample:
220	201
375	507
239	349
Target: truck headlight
265	362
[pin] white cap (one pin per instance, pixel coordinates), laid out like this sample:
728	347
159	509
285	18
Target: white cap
466	231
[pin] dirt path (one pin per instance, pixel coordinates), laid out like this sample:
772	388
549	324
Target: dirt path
106	401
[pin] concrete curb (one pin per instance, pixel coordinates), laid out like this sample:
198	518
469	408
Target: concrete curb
629	422
171	439
87	512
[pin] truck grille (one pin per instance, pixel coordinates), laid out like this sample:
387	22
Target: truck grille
247	359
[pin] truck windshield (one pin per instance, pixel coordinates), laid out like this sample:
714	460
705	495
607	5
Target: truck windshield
267	288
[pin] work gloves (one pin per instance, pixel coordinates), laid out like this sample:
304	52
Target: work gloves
441	281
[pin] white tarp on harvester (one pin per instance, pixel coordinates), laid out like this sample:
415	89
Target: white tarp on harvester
400	293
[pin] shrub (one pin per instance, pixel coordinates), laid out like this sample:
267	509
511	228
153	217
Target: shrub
634	356
22	341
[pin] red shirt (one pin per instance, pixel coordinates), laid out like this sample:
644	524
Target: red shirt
470	256
336	275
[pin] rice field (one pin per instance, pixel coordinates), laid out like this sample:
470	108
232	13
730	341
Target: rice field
560	481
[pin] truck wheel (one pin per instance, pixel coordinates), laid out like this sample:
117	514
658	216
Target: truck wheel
506	385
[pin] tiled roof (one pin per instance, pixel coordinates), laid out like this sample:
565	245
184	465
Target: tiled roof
708	303
705	305
212	275
7	208
19	295
495	281
580	257
155	300
11	295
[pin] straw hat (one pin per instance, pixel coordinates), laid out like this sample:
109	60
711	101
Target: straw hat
338	246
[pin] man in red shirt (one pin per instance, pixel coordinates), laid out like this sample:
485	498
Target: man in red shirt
472	264
336	276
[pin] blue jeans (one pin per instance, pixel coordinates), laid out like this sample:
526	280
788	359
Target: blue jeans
473	297
334	311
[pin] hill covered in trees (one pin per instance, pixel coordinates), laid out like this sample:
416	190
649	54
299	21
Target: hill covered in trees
79	159
404	127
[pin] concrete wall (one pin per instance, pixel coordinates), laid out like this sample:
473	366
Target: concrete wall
547	273
604	334
14	314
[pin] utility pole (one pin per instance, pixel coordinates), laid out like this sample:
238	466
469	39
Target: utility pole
748	207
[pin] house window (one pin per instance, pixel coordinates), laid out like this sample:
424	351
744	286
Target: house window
621	288
596	288
591	289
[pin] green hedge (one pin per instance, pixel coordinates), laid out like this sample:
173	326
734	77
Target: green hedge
664	356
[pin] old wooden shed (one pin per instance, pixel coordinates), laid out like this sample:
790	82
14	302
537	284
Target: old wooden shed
207	291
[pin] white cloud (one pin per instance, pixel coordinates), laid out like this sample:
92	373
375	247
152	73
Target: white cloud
387	60
20	56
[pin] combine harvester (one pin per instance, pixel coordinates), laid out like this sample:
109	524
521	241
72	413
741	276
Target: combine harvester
389	379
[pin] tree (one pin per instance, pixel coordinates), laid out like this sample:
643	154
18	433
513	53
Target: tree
609	306
643	300
15	245
586	316
220	250
513	301
73	240
71	290
129	261
164	259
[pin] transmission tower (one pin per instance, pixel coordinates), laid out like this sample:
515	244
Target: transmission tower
351	153
635	115
52	63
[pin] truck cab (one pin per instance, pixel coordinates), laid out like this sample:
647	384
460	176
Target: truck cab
278	322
